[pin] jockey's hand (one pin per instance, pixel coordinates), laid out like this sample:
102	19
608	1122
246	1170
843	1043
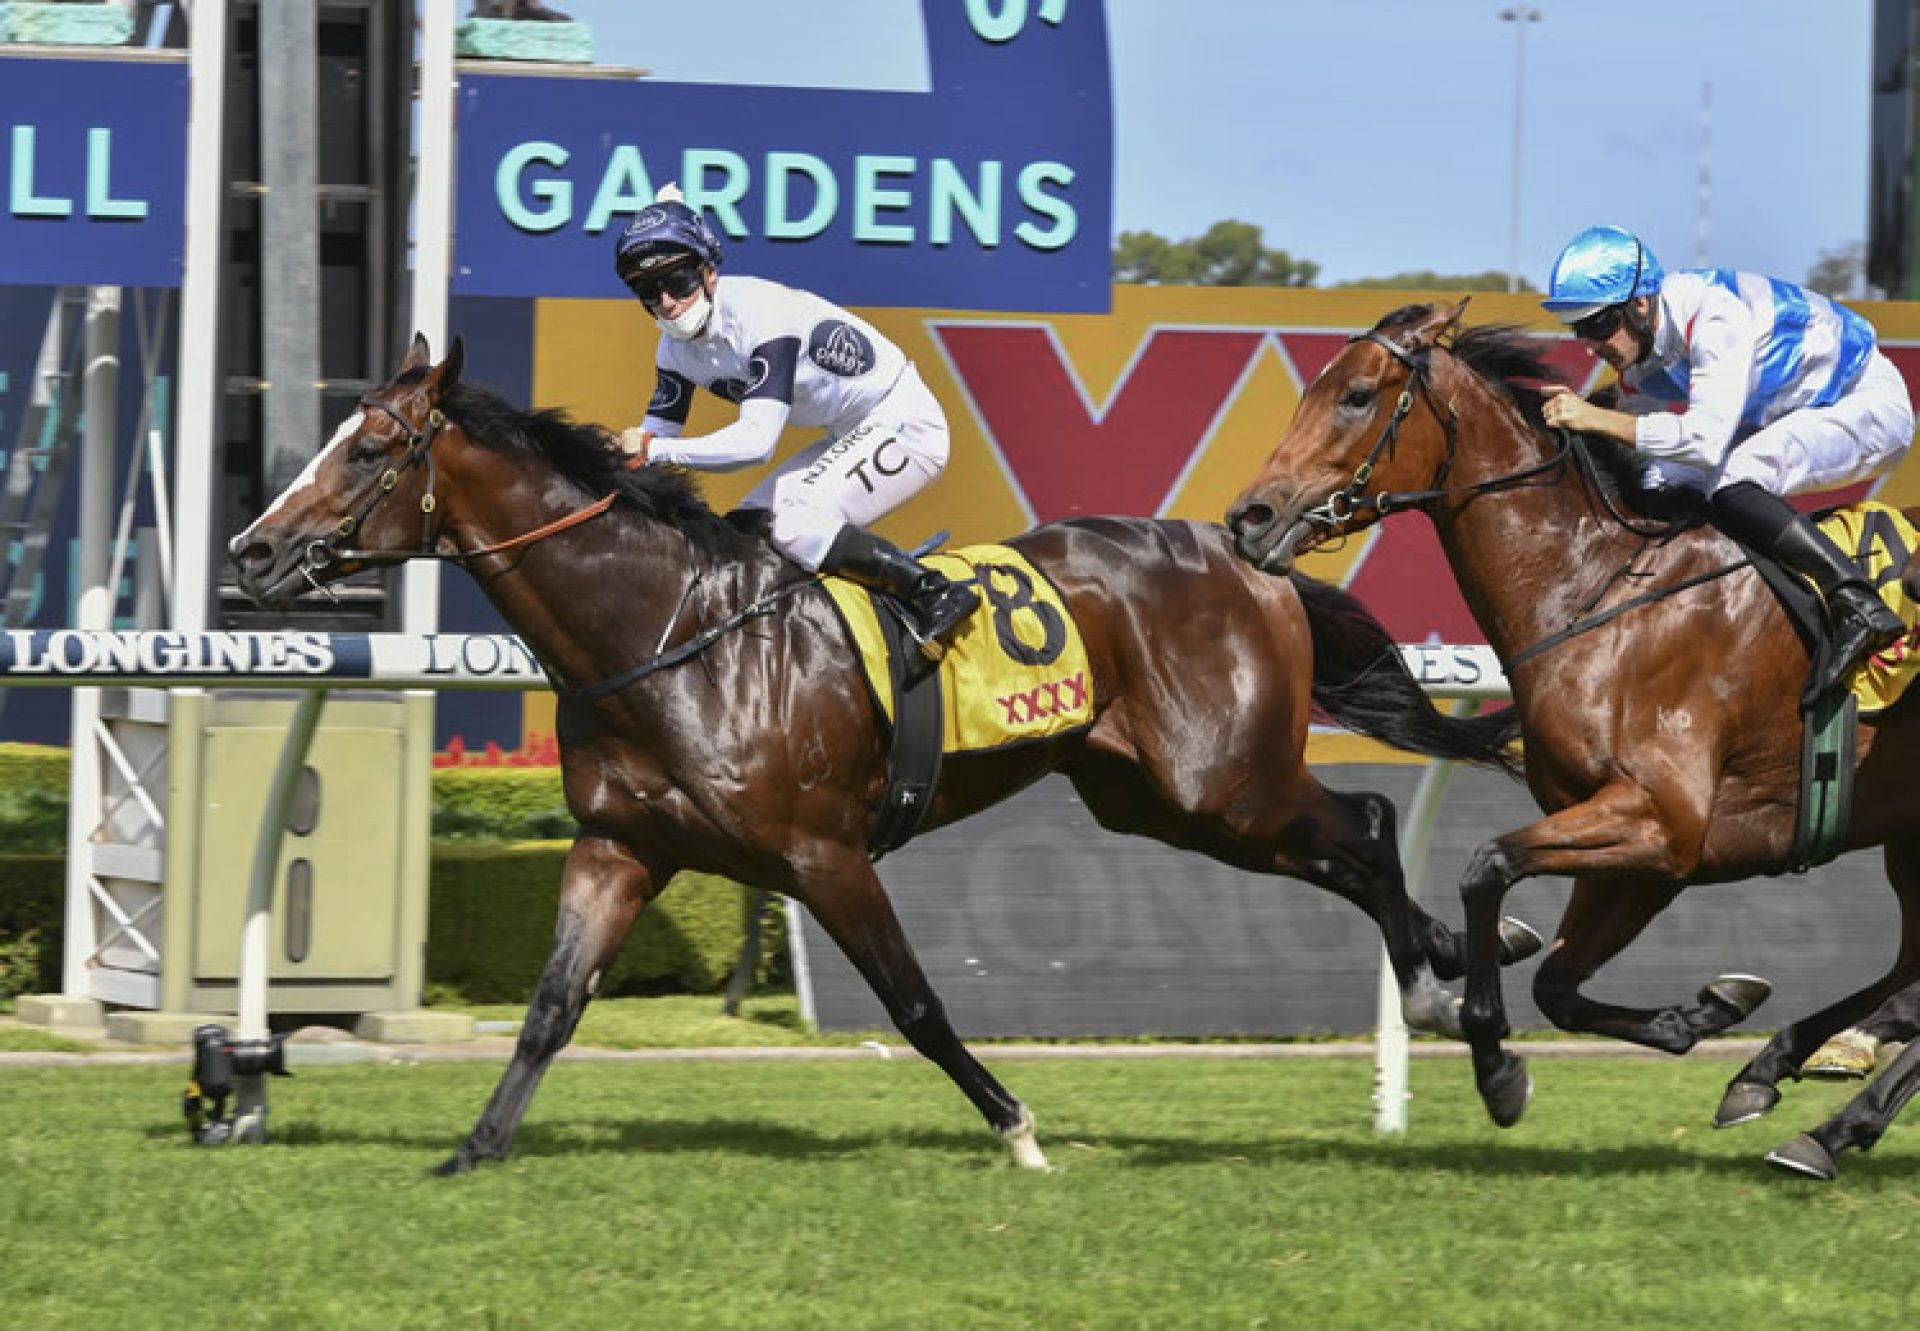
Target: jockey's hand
637	444
1565	409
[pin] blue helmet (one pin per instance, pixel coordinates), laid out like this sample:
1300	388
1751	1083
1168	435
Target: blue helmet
662	234
1601	266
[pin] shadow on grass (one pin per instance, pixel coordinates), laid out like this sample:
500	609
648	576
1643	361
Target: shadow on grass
644	1137
783	1141
1511	1159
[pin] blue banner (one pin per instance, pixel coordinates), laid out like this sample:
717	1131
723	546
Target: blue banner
991	191
93	158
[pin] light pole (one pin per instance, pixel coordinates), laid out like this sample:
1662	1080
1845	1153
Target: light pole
1520	16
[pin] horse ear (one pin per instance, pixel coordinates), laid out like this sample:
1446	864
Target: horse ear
417	355
449	373
1438	322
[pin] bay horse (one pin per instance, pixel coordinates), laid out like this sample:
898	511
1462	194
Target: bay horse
736	735
1656	677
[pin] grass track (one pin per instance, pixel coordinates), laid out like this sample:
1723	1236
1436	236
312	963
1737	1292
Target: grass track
1195	1193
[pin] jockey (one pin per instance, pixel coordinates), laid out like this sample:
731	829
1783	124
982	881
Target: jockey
788	356
1781	390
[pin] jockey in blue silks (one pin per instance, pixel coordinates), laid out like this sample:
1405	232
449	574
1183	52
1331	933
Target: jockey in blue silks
1780	391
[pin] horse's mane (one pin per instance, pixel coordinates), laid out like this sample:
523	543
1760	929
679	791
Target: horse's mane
584	454
1509	358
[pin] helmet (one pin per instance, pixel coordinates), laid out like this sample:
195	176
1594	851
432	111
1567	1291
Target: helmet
1601	266
661	234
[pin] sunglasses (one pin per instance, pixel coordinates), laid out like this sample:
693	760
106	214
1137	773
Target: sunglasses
1600	325
679	283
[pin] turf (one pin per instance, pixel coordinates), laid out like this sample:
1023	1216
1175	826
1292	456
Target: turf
1193	1193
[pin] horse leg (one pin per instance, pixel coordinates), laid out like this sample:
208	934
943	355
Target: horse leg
1613	833
1600	920
1346	843
847	899
1754	1089
1290	824
1867	1116
602	890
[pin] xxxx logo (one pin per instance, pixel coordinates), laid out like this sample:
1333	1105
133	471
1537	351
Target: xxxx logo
1051	698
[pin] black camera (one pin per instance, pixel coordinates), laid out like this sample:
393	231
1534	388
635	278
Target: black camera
217	1060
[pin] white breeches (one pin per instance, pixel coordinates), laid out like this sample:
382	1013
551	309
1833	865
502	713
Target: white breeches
1866	433
856	476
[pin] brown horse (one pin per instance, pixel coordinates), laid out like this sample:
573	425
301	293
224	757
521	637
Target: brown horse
1662	732
712	715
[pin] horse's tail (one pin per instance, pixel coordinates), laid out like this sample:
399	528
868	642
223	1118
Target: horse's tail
1360	680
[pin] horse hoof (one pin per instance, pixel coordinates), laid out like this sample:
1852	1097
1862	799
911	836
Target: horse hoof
1518	940
1435	1013
454	1165
1023	1144
1741	993
1744	1102
1806	1157
1508	1091
1848	1056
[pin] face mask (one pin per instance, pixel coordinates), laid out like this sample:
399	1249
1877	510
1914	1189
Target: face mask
686	325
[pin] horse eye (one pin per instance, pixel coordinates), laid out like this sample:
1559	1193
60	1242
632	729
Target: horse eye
1357	399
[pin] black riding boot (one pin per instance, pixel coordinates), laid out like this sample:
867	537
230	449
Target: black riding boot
1862	624
937	604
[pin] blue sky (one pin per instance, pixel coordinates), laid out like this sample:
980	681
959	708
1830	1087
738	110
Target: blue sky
1377	136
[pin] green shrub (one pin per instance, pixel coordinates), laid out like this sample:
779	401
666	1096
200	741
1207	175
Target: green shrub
492	913
33	893
500	804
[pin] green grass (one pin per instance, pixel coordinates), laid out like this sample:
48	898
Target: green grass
16	1039
1195	1193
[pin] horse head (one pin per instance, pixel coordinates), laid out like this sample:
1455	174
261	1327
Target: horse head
368	497
1355	448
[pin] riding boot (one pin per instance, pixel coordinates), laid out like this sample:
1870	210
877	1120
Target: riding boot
1862	624
936	605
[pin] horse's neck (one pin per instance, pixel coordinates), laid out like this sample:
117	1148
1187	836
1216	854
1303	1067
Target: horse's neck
599	598
1529	556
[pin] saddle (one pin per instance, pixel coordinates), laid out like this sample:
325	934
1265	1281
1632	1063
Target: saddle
1879	540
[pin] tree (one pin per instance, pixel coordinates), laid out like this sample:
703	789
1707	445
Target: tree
1839	272
1427	280
1230	254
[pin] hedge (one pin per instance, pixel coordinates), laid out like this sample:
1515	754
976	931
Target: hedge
492	898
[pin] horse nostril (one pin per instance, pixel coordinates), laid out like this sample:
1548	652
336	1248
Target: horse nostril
1250	519
244	552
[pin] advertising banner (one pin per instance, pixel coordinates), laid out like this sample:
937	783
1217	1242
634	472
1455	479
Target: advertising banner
95	183
991	190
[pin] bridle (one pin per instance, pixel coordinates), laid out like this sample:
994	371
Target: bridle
419	444
1352	500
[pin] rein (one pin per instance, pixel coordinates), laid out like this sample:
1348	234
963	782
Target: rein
1350	501
419	452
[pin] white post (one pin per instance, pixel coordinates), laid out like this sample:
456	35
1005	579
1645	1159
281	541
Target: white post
432	250
1390	1093
200	417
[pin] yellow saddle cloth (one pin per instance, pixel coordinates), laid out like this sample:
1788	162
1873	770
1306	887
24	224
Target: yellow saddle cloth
1880	539
1015	671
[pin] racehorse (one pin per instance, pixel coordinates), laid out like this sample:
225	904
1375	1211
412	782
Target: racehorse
712	714
1656	677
